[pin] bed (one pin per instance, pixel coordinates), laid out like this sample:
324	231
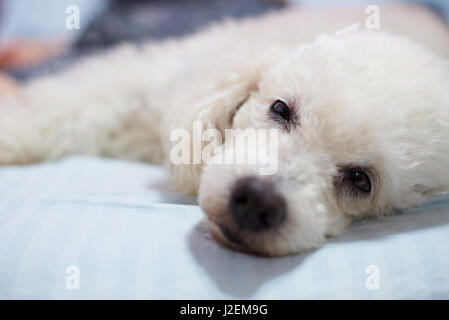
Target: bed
87	227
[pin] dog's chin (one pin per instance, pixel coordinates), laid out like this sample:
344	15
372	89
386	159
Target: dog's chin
226	239
231	241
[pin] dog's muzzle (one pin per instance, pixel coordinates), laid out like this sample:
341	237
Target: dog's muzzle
255	206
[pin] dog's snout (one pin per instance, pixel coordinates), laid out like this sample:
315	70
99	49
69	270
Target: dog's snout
255	205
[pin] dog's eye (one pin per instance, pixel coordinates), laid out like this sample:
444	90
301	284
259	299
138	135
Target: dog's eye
359	180
281	110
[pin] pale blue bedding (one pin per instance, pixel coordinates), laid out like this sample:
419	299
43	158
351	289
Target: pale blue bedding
129	238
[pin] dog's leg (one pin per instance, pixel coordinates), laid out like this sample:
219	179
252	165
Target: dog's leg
101	106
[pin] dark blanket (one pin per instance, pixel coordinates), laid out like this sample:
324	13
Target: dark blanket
137	20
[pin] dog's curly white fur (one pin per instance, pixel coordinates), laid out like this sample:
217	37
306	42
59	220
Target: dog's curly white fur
363	99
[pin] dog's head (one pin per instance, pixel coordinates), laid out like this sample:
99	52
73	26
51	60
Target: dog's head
362	122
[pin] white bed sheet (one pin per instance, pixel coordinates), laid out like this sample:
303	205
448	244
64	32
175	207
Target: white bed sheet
131	238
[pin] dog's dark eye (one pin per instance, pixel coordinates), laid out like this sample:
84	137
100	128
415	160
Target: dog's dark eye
281	110
359	180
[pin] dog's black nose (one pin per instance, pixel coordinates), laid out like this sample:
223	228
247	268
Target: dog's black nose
255	206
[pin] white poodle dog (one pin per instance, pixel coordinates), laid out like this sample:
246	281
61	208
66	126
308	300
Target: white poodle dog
362	119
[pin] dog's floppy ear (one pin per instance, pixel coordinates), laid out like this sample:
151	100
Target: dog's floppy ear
211	103
226	93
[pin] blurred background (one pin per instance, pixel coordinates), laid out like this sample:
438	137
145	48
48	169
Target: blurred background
34	38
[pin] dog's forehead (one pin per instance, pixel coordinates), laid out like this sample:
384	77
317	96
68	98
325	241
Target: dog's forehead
359	97
356	59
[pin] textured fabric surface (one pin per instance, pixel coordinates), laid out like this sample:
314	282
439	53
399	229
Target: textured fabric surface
130	237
